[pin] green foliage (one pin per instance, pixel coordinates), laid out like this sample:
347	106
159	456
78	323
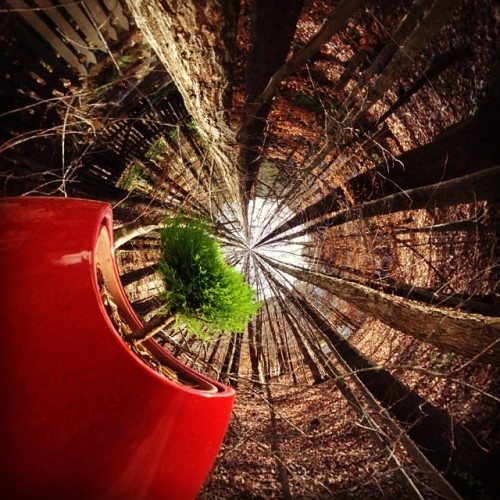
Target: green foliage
157	150
173	135
125	60
191	126
207	295
136	174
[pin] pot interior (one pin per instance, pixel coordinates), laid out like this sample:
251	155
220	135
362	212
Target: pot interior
104	260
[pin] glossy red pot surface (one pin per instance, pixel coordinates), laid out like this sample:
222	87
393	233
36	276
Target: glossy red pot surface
82	416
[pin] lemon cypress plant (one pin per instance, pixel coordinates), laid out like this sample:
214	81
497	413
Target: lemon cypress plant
201	290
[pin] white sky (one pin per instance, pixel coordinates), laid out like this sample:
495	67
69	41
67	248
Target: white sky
263	218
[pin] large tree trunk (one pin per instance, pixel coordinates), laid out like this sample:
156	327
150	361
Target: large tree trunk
465	333
334	22
196	40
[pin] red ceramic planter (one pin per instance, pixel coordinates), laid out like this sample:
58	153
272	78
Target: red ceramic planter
82	416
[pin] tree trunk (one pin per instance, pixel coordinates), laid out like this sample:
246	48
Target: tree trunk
438	66
371	414
449	446
459	225
145	306
272	28
235	364
462	149
334	22
304	351
471	303
152	327
137	274
472	335
483	185
215	349
276	448
127	233
396	40
254	347
439	12
225	370
195	40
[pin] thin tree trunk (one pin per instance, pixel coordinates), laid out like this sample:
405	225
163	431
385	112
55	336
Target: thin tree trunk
304	350
235	365
472	335
395	41
254	356
215	349
152	327
137	274
437	67
460	225
227	359
483	185
439	12
145	306
357	60
275	447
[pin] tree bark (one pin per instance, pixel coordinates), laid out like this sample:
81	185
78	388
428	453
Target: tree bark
254	347
471	303
141	227
235	364
225	371
137	274
472	335
384	56
439	12
152	327
335	21
304	351
196	41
